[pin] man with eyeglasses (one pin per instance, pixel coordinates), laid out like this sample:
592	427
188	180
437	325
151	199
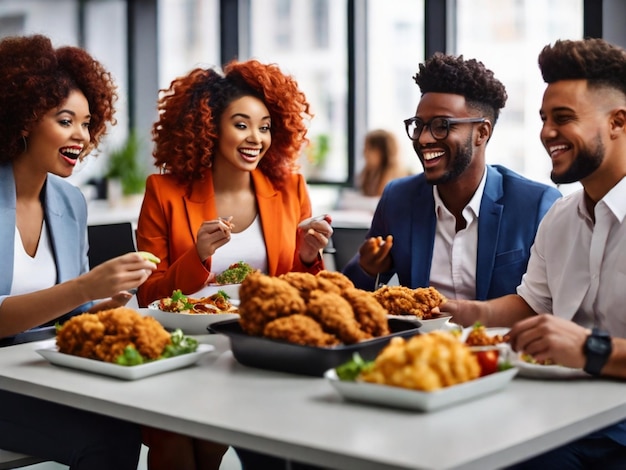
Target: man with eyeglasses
461	226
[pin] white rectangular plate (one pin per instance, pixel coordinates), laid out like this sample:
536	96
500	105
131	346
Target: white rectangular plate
553	371
124	372
397	397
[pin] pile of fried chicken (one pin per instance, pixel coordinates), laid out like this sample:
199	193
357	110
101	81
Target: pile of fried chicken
105	335
315	310
425	362
401	300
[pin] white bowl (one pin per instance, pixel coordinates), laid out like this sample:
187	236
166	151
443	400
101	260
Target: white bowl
232	290
190	323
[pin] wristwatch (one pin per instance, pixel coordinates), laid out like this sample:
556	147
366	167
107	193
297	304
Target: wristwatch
597	350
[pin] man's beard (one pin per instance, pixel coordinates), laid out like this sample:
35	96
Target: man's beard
586	162
460	163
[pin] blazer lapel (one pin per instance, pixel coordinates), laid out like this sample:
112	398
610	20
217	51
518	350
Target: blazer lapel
63	240
200	205
423	223
270	208
488	231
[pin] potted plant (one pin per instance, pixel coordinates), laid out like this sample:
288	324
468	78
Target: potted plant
125	175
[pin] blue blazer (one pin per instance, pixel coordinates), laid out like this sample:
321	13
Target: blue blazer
65	211
510	211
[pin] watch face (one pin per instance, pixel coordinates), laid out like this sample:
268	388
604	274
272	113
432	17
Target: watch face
598	345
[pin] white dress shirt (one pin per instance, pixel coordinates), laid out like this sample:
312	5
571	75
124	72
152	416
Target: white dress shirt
33	273
577	269
247	246
453	268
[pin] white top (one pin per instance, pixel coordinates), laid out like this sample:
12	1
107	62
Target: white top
453	268
577	270
31	274
247	246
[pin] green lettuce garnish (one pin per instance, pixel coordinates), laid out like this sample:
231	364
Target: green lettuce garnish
350	370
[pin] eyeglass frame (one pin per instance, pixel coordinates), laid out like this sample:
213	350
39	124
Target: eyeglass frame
447	120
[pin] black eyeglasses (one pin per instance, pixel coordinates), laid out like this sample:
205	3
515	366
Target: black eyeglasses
439	127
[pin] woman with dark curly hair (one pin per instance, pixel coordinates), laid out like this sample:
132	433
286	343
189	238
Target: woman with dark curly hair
54	108
227	144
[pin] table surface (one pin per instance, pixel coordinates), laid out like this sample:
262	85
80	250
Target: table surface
303	418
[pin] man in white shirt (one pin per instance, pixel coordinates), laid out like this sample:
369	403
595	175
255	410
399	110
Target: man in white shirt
569	307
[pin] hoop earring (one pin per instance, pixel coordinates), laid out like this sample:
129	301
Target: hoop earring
25	143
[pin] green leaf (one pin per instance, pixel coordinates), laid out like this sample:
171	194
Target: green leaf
351	370
130	357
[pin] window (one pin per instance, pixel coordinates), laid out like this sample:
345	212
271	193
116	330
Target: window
508	40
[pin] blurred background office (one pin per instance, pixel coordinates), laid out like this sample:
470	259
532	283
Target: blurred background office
353	58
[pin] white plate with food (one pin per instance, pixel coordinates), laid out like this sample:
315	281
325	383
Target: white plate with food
190	323
532	370
397	397
497	333
431	324
231	290
124	372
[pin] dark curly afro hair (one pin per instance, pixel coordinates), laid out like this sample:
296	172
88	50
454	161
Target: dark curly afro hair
469	78
592	59
36	78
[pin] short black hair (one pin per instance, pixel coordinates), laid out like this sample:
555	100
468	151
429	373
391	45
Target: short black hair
595	60
444	73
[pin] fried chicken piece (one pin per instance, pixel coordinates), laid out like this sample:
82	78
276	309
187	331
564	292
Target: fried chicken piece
424	362
105	335
264	298
369	313
336	279
336	316
299	329
401	300
305	283
398	300
428	298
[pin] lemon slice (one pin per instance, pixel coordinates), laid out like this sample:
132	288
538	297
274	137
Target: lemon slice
149	256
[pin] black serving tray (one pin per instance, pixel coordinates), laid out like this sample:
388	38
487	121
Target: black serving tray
282	356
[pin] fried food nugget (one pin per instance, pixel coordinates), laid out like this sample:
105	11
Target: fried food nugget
424	362
401	300
369	313
334	278
299	329
264	298
428	298
335	315
104	335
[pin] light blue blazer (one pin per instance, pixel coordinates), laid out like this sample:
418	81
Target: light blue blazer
65	211
510	211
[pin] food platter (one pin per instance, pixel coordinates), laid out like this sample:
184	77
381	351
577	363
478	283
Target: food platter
494	331
265	353
396	397
540	371
232	290
57	358
190	323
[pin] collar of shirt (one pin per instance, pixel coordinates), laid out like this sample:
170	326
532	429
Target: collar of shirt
471	210
614	200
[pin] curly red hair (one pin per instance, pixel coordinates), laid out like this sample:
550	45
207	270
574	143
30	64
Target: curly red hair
36	78
190	110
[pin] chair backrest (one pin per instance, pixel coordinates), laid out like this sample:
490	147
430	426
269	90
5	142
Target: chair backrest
346	242
107	241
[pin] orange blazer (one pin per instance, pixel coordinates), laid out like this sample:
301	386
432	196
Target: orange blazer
170	218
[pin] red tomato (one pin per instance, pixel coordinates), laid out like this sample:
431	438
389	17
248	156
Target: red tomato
488	361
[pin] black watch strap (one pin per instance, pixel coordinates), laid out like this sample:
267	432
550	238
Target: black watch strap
597	349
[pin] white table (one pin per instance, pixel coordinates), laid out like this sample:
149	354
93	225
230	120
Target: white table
303	418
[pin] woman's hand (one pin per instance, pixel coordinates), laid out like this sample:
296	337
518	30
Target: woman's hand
315	235
113	277
374	255
213	234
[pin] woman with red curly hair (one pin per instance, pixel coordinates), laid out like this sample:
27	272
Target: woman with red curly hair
54	108
227	144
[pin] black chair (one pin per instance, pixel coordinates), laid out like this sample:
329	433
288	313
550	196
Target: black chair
346	242
107	241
